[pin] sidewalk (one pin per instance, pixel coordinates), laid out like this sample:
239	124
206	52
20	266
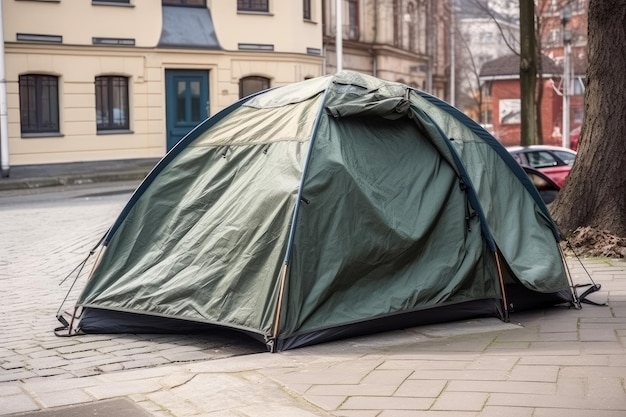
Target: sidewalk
49	175
558	362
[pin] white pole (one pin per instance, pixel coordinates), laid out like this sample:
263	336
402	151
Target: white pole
566	94
452	58
339	34
4	125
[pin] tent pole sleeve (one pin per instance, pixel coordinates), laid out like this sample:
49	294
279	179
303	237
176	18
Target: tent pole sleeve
279	303
502	288
294	221
316	124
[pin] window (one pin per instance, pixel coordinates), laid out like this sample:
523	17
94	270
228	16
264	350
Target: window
541	159
250	85
306	9
39	103
184	3
253	6
485	37
353	19
566	157
112	103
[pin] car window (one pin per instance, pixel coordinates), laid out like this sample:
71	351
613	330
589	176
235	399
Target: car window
540	159
566	157
518	158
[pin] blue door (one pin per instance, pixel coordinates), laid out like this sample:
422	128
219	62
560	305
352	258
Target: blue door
186	102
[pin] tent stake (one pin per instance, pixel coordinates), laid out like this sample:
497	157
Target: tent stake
504	300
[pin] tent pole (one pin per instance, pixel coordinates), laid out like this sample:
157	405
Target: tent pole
504	299
570	279
279	304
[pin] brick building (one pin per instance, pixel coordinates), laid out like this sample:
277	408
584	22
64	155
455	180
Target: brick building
500	78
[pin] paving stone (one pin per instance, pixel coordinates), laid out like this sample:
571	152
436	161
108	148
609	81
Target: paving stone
63	398
16	375
506	412
19	403
575	412
519	387
119	389
463	375
386	403
460	401
567	360
420	388
117	407
534	373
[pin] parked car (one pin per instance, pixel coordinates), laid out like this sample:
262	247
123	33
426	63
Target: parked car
548	189
554	161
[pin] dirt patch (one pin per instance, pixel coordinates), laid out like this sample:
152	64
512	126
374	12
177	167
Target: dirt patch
590	242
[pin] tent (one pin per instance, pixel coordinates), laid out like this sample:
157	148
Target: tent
333	207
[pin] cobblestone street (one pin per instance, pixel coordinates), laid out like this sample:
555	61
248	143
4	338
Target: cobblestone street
44	237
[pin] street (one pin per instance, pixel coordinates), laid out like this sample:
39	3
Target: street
45	235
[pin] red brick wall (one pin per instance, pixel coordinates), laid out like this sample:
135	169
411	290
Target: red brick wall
551	112
508	134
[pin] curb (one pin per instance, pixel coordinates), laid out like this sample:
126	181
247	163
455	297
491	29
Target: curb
65	180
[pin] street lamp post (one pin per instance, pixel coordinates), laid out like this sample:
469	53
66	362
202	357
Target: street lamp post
339	34
566	16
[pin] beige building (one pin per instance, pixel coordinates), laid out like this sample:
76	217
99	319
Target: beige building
116	79
96	80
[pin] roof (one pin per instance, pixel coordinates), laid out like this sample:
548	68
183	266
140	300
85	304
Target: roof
509	65
188	27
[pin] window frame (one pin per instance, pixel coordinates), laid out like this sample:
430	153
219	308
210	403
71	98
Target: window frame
256	6
184	3
126	2
307	13
111	101
254	78
39	100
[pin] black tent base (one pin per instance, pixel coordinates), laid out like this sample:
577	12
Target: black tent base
519	298
440	314
104	321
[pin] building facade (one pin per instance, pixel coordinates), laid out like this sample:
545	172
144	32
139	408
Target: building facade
121	79
564	32
117	79
562	28
484	31
398	40
501	78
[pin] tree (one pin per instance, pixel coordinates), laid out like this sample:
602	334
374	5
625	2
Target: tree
594	195
528	72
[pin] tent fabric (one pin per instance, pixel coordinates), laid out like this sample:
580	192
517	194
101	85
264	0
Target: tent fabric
328	208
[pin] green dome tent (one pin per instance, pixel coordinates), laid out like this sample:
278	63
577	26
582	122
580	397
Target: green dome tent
333	207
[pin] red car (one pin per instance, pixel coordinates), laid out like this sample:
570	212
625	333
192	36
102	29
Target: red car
554	161
548	190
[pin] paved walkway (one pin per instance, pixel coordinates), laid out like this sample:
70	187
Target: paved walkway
557	362
552	363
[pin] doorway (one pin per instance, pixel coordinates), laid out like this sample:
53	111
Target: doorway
186	102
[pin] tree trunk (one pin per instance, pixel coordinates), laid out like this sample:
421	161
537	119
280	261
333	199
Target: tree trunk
528	71
595	192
